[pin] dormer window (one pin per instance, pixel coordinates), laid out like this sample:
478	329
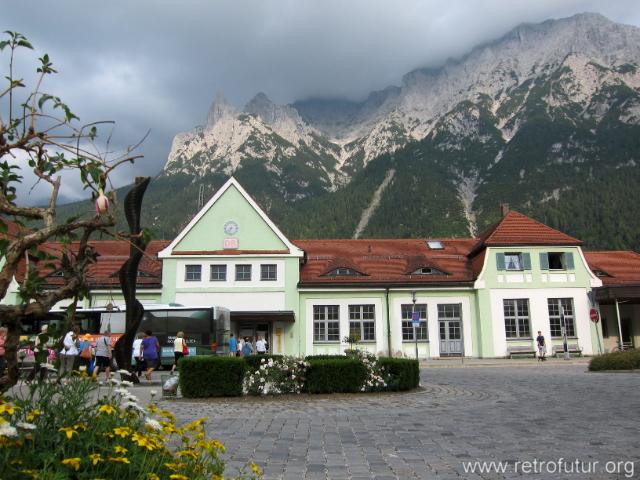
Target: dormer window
601	273
513	261
427	271
435	245
344	272
58	273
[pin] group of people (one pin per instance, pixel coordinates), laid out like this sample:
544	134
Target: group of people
77	348
244	347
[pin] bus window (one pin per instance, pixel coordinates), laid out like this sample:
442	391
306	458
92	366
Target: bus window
113	321
196	324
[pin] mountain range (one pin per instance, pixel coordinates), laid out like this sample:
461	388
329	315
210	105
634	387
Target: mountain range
545	118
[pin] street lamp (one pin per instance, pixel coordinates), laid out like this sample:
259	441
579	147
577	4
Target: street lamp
415	320
563	327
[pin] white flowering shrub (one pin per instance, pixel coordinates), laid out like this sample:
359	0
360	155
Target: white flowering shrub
376	379
276	376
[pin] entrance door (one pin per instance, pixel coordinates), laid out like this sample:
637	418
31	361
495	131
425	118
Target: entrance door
450	330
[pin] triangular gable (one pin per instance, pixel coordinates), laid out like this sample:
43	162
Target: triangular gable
249	229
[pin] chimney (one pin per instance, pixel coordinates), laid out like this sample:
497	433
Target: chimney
504	209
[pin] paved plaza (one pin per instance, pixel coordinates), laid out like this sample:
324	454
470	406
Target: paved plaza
503	412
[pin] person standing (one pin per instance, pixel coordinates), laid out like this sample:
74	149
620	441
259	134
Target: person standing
69	351
86	353
104	352
233	346
150	353
3	337
179	349
542	348
247	349
137	354
240	347
261	346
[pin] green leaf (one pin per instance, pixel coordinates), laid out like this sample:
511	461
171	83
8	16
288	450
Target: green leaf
44	99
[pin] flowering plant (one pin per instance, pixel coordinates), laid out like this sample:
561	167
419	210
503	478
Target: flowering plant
376	379
272	377
81	429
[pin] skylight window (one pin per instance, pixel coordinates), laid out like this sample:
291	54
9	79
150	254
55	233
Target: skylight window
427	271
435	245
343	272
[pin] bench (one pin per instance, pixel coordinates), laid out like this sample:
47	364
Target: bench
574	349
520	350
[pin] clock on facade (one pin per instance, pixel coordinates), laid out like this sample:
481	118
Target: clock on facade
231	227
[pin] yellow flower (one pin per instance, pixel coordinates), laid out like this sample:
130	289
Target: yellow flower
107	408
187	453
32	415
32	473
152	476
217	476
8	408
122	432
168	427
72	463
152	408
69	431
95	458
120	459
167	414
176	476
120	449
174	466
255	469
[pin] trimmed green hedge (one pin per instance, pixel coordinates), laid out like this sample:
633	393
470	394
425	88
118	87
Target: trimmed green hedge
254	361
211	376
335	375
629	360
402	373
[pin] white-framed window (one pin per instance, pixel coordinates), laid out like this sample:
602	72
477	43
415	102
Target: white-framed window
557	306
513	261
556	261
516	318
362	322
243	273
406	310
218	273
192	273
326	323
268	272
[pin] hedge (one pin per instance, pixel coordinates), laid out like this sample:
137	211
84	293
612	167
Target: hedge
402	373
211	376
629	360
325	357
333	375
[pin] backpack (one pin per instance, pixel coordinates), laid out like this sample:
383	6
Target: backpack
86	350
246	348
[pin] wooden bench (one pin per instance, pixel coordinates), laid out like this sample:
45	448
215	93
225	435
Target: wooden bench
520	350
574	349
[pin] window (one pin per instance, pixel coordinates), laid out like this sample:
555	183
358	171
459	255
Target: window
557	306
514	261
193	273
343	272
516	318
407	324
268	272
427	271
58	273
435	245
556	261
243	273
362	322
326	323
218	273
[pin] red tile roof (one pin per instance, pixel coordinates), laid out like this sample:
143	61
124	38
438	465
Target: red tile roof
385	261
518	229
619	267
111	255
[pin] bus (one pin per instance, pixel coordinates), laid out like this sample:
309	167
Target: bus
206	329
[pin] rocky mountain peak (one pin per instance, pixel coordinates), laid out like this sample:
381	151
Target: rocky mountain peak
220	108
262	107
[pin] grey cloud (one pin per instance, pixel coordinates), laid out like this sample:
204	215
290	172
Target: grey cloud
156	64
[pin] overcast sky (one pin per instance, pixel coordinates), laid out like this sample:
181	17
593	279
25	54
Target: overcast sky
157	64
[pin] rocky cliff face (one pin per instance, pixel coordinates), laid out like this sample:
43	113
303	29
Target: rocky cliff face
560	91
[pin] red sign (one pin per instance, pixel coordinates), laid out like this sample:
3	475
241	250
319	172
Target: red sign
593	315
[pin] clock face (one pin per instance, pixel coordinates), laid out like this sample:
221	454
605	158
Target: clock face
231	227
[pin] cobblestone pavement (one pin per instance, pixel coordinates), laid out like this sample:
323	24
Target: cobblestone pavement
508	413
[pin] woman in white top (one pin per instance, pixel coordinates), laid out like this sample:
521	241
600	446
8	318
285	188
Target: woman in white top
69	351
137	355
179	349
